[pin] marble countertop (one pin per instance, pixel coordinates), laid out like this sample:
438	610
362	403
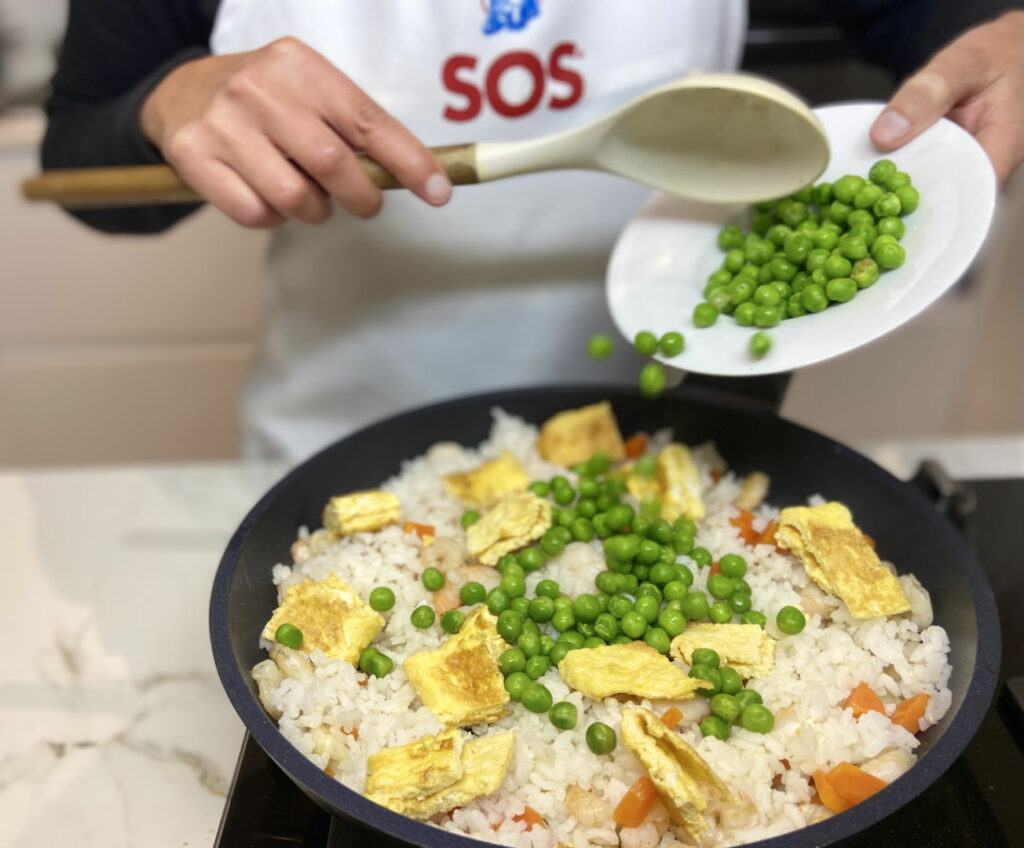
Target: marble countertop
114	730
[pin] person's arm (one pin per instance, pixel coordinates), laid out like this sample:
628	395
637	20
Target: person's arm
114	53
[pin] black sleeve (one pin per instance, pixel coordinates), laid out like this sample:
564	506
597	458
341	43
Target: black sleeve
114	53
901	35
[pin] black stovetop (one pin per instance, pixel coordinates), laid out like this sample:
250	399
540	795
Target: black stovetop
979	801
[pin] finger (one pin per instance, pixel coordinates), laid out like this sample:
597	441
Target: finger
1003	144
927	96
222	186
324	155
367	126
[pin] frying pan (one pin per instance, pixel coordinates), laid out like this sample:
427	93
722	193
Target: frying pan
908	530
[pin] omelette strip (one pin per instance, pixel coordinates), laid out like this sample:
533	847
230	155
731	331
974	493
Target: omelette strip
631	669
675	485
837	557
681	776
517	520
485	485
460	682
575	435
331	616
438	773
744	647
361	512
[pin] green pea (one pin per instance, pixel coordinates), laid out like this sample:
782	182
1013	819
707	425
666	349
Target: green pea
658	639
528	641
599	346
824	238
754	617
813	298
852	247
536	698
881	171
648	607
452	621
573	638
682	542
777	235
865	273
586	508
790	620
563	620
652	379
720	613
757	719
744	314
510	625
290	636
860	217
381	599
761	222
537	666
704	315
867	196
520	606
794	309
601	738
817	258
746	697
781	288
563	495
837	266
648	552
783	269
516	684
619	606
671	343
676	590
805	195
608	582
791	212
839	211
633	624
497	600
541	609
796	248
622	547
887	205
890	256
551	543
585	608
819	277
659	530
660	573
558	652
539	488
366	660
823	194
894	182
530	560
719	586
593	641
672	621
422	617
645	342
733	565
547	589
868	233
809	226
695	606
432	579
731	680
511	660
891	227
710	676
846	187
841	289
630	582
598	463
766	296
562	519
733	261
563	715
730	237
381	665
472	593
725	706
739	602
716	726
648	589
469	518
606	626
705	656
740	291
764	274
514	585
767	316
740	586
760	344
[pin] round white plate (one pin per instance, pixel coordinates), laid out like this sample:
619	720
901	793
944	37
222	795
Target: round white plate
663	257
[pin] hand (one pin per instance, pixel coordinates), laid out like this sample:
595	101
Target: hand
271	134
976	81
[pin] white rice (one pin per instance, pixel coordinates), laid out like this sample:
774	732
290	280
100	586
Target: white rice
814	672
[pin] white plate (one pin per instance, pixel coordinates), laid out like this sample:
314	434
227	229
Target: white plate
663	257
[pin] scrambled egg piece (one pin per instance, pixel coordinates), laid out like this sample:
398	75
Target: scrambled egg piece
680	484
360	512
438	773
483	486
644	489
631	669
744	647
679	773
839	559
460	682
577	434
516	521
331	616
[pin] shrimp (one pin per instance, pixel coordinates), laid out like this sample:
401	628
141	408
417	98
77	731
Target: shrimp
586	807
814	813
734	814
267	677
649	832
919	599
452	560
890	764
301	551
293	664
815	602
753	490
325	742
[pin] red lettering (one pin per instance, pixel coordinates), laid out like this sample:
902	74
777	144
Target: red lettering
522	59
450	78
562	74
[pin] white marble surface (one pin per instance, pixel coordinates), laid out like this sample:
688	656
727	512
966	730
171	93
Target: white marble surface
114	730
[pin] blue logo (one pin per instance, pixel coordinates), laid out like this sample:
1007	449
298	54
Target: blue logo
508	14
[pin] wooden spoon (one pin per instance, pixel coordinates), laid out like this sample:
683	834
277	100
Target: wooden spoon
726	138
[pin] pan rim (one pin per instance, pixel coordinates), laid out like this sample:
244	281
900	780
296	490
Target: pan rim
930	766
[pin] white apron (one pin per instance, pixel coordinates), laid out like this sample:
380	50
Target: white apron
504	285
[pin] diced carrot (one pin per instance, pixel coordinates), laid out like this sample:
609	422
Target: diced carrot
909	713
329	771
636	803
531	817
670	718
853	783
635	445
776	781
354	733
827	792
744	522
716	475
421	530
768	536
863	699
868	539
785	763
715	569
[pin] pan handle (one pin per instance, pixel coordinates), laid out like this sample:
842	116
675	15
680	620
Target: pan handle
953	499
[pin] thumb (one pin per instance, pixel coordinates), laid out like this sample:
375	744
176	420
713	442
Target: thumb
924	98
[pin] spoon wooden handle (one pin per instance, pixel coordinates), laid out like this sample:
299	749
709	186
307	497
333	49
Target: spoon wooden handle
147	185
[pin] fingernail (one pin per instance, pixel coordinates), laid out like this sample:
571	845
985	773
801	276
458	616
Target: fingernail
890	127
439	189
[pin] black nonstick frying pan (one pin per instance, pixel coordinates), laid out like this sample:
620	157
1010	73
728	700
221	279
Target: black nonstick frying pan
800	462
